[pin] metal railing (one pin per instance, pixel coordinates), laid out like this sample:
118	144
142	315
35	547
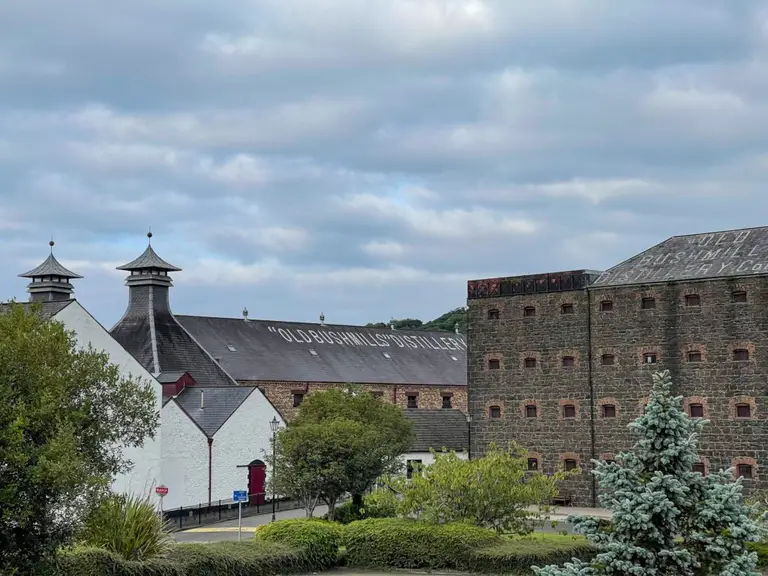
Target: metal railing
206	513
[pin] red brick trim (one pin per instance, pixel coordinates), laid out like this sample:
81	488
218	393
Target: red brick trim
568	354
530	354
530	402
744	460
696	400
735	401
693	348
607	456
493	356
565	402
742	345
494	402
610	401
569	456
604	297
641	352
538	457
529	304
601	352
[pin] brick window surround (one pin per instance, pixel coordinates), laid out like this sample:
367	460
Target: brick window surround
567	308
566	456
645	352
739	297
608	457
704	462
648	303
494	412
696	400
524	408
539	461
609	401
492	406
736	401
606	305
607	357
738	462
735	354
692	300
564	404
528	358
493	314
493	361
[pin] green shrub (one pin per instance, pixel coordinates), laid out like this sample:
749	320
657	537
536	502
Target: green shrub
516	554
346	513
762	552
319	539
380	503
128	526
404	543
98	562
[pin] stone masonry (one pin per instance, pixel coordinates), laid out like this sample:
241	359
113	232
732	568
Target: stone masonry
537	347
284	395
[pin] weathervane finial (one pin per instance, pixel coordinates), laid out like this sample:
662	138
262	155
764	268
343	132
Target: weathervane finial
149	235
51	243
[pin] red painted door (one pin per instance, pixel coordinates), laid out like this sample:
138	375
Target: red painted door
257	482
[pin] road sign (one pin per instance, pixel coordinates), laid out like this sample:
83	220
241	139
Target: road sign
240	496
161	490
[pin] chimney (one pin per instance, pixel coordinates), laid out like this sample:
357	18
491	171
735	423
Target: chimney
322	319
202	399
245	313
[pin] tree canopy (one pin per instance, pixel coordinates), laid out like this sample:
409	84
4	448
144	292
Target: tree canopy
445	323
667	519
340	442
66	414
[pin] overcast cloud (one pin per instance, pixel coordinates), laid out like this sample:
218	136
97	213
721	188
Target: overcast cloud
364	158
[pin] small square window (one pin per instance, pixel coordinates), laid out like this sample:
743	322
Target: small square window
493	314
569	361
412	401
741	354
609	411
648	303
529	311
692	300
696	410
533	464
606	306
569	411
530	362
531	411
494	412
608	360
744	471
739	297
571	464
377	394
700	468
411	466
447	403
567	309
743	411
298	398
650	358
694	356
494	364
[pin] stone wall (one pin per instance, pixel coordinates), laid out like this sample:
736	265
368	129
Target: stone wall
555	376
696	342
281	394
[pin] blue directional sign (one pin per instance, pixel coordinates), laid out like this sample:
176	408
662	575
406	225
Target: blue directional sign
240	496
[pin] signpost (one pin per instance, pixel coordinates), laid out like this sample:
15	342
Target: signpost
240	496
161	491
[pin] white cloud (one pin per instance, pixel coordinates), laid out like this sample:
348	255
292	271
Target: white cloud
384	249
595	191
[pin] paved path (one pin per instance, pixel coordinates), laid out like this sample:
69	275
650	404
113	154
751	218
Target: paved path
227	530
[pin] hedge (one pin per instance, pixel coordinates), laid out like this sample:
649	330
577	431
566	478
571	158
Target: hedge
220	559
516	554
319	539
403	543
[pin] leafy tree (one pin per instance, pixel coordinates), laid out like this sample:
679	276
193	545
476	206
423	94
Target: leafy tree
445	323
667	519
340	442
496	491
66	414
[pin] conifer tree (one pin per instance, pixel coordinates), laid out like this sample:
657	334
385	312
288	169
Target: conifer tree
667	519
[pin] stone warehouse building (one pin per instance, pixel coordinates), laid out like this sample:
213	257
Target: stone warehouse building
562	362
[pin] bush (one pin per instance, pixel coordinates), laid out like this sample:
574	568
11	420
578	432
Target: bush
516	554
128	526
318	539
220	559
762	552
381	503
404	543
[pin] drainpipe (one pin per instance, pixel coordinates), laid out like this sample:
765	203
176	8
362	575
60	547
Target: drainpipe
210	469
394	395
592	408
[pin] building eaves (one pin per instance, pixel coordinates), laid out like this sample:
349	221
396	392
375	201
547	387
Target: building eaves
149	259
50	267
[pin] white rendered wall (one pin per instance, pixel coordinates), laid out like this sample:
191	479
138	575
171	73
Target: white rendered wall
185	459
245	437
427	458
145	474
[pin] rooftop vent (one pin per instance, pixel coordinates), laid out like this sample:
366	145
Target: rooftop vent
245	313
322	319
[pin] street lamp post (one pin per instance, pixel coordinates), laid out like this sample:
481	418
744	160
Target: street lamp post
274	426
469	436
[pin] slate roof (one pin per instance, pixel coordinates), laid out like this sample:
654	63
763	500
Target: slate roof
149	259
732	253
50	267
47	309
438	429
262	350
219	403
170	377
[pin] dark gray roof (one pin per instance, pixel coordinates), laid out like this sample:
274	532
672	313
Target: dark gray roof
218	405
149	259
731	253
257	350
47	309
50	267
170	377
438	429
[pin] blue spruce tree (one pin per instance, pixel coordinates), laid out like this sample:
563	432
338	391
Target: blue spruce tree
667	519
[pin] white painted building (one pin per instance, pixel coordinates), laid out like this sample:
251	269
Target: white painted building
438	430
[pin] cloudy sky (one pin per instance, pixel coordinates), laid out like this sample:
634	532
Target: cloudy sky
365	158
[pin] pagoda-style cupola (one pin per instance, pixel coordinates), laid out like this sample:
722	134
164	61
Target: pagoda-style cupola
50	281
149	269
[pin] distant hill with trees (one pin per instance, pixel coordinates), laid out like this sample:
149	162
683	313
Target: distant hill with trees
445	323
